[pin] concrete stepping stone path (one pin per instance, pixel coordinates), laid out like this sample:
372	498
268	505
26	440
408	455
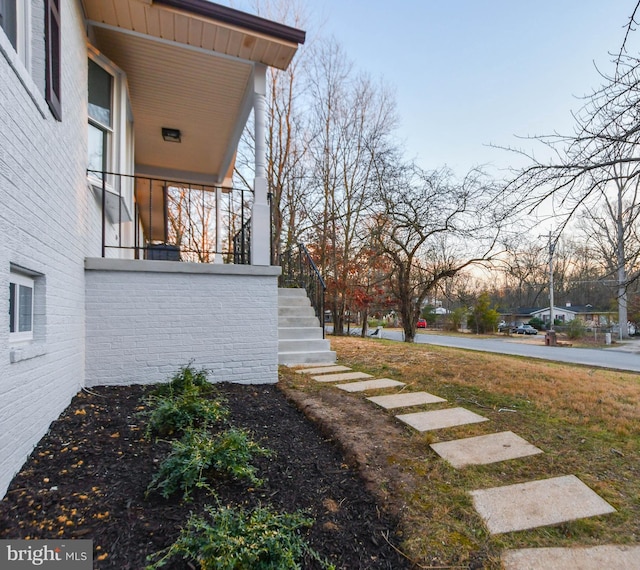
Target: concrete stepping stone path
620	557
342	376
538	503
438	419
484	449
504	509
370	385
324	369
405	400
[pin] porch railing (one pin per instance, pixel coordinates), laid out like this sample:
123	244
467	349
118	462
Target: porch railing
242	244
152	218
299	270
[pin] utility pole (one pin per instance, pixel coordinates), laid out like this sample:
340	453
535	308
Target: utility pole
552	247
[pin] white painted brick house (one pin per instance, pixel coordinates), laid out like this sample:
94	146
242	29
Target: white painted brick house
93	85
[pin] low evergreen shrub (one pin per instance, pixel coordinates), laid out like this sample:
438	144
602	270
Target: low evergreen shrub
173	414
199	456
227	538
186	379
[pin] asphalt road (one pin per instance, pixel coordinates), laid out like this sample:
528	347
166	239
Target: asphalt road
618	357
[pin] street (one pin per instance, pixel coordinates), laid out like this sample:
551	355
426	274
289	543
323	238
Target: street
625	356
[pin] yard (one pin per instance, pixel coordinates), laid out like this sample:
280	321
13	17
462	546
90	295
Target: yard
408	508
584	419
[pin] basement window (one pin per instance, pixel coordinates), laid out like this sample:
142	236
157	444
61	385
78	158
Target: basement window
21	288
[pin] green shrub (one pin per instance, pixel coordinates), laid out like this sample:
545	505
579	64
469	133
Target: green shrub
199	455
185	380
575	329
233	539
536	323
173	414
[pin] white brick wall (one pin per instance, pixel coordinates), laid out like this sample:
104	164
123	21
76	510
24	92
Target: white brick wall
140	325
146	319
44	208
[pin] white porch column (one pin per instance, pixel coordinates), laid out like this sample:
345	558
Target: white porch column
260	217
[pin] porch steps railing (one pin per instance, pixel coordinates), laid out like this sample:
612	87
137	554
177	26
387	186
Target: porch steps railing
299	270
300	333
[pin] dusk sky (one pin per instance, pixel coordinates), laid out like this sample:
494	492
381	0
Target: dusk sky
467	73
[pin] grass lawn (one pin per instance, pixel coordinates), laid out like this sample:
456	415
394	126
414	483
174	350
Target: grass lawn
586	421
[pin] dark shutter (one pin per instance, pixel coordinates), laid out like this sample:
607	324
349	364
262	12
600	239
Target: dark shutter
52	40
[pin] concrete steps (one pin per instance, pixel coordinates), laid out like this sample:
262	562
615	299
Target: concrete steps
299	331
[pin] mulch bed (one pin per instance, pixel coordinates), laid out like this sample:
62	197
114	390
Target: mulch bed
87	479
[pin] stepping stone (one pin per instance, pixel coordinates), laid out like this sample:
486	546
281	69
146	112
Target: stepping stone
370	385
405	400
484	449
538	503
618	556
340	377
438	419
323	369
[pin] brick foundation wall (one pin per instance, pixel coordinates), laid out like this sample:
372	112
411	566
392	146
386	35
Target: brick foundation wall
44	228
146	319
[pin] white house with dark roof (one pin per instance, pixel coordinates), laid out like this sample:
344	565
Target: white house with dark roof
119	124
586	313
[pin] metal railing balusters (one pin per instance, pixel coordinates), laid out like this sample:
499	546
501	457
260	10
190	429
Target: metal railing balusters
299	270
188	222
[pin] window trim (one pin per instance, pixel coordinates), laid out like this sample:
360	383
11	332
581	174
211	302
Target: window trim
53	75
19	280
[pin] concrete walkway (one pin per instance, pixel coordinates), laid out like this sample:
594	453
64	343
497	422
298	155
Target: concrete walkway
507	508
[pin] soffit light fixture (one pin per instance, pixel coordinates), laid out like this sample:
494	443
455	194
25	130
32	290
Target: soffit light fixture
171	135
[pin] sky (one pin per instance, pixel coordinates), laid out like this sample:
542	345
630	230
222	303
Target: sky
468	74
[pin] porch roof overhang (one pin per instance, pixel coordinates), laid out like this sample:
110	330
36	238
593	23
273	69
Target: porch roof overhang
190	66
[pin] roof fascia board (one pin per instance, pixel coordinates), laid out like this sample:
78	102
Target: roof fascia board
172	43
237	18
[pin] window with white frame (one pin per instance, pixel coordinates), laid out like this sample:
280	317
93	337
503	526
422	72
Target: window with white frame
21	298
110	135
100	119
15	21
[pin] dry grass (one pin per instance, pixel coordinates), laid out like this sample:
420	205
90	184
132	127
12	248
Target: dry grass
585	420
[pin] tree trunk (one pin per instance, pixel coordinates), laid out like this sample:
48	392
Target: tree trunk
365	322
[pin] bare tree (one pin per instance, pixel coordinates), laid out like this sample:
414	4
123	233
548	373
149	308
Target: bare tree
612	228
430	228
597	168
353	120
286	135
522	268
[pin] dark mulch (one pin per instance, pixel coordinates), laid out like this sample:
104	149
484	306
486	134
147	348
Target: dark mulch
87	478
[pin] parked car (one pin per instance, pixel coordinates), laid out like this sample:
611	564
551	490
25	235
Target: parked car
526	329
421	324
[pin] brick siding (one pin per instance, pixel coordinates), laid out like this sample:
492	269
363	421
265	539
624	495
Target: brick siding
146	319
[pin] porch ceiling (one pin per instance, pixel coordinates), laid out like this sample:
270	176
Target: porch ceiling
189	66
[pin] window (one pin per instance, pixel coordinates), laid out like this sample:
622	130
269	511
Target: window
109	136
8	20
15	21
100	118
20	307
52	43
